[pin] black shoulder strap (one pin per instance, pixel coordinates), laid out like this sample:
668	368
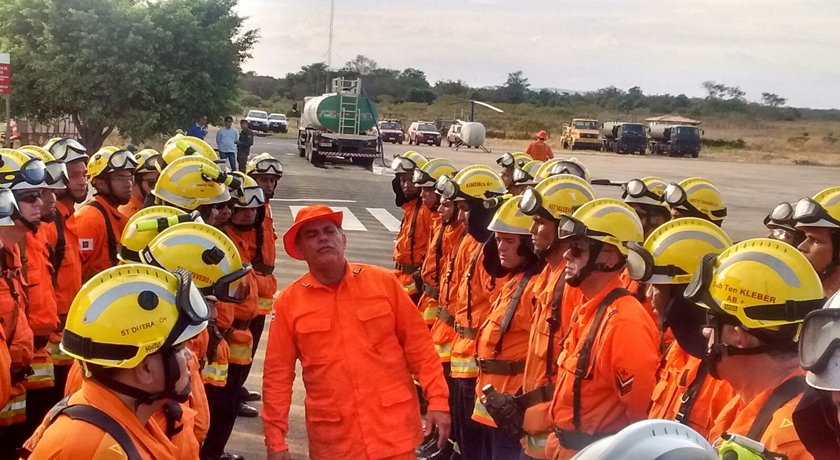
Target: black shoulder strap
411	230
554	323
780	396
60	246
439	252
112	240
511	308
690	396
450	270
25	273
586	350
4	272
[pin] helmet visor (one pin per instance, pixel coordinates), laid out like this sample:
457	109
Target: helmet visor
506	160
252	197
639	262
402	165
638	189
32	174
268	166
820	339
8	205
520	175
674	195
447	187
422	178
153	163
570	227
697	290
233	287
68	150
567	167
808	211
122	159
56	174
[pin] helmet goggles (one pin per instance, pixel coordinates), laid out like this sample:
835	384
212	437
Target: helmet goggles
402	165
506	160
251	197
531	204
820	339
153	163
567	167
422	178
520	175
569	227
808	211
268	166
638	189
32	174
121	159
675	196
642	267
68	150
8	204
56	172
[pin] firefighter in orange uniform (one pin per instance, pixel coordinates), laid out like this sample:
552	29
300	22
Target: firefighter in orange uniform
416	226
63	242
476	292
149	165
128	376
757	294
98	221
267	172
502	342
685	392
602	386
546	203
538	149
425	178
5	370
359	340
510	162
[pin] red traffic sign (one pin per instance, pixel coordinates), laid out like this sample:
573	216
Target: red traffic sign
5	74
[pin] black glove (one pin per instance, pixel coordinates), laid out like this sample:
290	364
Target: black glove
20	373
506	412
480	218
216	336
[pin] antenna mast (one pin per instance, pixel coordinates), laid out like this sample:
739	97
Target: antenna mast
329	50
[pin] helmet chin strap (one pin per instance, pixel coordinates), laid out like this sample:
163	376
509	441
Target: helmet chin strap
592	266
172	374
720	350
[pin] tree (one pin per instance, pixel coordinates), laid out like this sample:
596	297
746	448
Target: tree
361	65
632	100
260	85
451	88
715	90
310	80
141	67
515	89
773	100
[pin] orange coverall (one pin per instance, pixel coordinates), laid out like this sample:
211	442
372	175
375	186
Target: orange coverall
239	338
540	151
5	367
411	243
680	372
68	280
41	312
780	436
514	343
359	345
16	329
67	439
443	334
267	283
130	209
93	236
619	382
429	272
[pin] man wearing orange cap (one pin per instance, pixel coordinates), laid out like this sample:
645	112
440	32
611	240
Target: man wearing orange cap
359	340
538	149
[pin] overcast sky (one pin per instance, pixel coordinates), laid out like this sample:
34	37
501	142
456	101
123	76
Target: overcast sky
787	47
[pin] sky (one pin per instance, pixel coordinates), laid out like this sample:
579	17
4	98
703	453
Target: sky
787	47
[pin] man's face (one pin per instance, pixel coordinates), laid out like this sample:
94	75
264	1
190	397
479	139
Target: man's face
543	233
121	184
77	188
244	216
202	121
321	243
30	204
228	123
817	247
447	210
463	212
577	256
243	125
48	208
267	183
146	182
650	220
429	197
507	176
660	295
224	212
730	367
508	246
183	355
407	185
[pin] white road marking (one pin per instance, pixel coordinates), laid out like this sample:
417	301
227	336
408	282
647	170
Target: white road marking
385	218
351	222
317	200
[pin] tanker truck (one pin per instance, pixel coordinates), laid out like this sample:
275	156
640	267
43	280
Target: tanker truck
622	137
673	140
334	125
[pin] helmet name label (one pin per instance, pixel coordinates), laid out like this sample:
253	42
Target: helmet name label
138	328
741	293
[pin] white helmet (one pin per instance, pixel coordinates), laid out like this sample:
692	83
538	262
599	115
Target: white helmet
819	346
651	440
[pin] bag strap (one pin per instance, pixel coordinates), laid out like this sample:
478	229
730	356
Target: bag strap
24	271
439	253
586	350
554	323
109	230
450	270
412	228
690	396
511	308
468	276
4	272
780	396
60	247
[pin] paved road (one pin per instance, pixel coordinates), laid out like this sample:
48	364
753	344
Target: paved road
751	190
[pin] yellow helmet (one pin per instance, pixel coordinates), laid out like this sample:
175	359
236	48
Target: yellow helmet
56	170
184	184
106	161
66	150
19	171
697	196
477	182
148	160
134	240
207	253
249	195
407	162
512	160
572	166
606	220
672	253
527	174
510	219
126	313
647	191
187	146
763	283
821	211
264	163
428	174
556	196
179	132
543	171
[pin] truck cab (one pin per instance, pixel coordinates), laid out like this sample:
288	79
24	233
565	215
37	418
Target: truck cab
581	133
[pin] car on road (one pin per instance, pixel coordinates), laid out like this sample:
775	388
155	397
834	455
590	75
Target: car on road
453	136
391	132
424	132
257	120
277	123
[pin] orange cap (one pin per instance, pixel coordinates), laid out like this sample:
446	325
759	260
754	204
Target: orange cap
542	135
304	216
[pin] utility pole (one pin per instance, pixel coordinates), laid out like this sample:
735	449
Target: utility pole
329	49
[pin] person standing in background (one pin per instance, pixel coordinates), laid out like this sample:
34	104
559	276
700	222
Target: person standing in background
226	139
244	144
538	149
199	128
